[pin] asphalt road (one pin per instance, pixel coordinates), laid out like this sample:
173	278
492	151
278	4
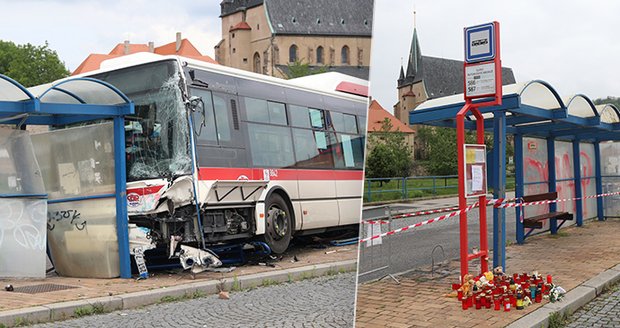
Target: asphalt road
320	302
412	249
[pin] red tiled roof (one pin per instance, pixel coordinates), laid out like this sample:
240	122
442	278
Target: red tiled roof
240	26
187	49
376	116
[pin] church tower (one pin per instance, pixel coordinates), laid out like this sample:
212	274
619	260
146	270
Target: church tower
411	89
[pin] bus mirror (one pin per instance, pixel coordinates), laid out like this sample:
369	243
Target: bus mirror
195	103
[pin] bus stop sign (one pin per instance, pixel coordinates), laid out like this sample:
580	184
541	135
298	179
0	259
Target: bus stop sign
479	43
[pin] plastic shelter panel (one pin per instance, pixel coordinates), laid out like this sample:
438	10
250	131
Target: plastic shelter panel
536	173
23	238
588	183
610	167
82	238
564	169
78	161
22	223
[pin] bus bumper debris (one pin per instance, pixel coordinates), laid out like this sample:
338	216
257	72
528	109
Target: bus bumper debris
198	260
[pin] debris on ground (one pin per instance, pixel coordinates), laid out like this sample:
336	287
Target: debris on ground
224	295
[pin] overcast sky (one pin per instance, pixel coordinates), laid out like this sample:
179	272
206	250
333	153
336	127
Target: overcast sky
76	28
572	44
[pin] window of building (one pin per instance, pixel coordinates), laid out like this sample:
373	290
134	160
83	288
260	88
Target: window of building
344	55
257	63
292	54
319	55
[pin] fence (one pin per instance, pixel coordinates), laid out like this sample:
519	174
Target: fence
383	189
375	255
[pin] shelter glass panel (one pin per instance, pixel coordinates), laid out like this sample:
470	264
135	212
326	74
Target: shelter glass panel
535	173
84	169
610	167
588	184
82	238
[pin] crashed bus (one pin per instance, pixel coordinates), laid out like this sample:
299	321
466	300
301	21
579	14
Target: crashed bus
216	155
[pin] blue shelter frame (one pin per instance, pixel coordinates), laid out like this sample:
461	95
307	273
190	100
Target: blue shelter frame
69	101
531	109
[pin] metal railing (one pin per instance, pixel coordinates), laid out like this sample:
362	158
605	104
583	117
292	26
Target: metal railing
382	189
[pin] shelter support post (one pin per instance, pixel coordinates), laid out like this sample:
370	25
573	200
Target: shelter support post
553	223
122	229
460	137
519	188
499	188
577	176
600	211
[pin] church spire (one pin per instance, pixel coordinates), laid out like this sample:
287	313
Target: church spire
413	72
414	65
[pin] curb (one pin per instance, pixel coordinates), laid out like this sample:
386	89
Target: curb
66	310
573	300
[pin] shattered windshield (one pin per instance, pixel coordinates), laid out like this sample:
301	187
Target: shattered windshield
157	135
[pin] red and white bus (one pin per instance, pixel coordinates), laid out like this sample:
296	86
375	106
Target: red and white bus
216	154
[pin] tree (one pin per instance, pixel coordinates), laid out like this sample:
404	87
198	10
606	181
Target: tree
389	154
608	100
440	147
29	64
299	69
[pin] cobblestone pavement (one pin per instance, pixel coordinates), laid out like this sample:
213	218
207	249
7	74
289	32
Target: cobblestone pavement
603	311
320	302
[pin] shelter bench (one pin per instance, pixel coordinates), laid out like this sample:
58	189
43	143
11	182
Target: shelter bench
536	222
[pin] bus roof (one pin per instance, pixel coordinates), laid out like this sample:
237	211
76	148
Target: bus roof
326	83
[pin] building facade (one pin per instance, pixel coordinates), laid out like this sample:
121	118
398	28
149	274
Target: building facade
266	36
377	116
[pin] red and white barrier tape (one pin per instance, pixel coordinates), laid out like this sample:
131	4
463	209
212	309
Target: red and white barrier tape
427	212
552	201
498	203
419	224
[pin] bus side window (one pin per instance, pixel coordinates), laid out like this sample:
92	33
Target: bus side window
311	149
221	118
317	118
204	127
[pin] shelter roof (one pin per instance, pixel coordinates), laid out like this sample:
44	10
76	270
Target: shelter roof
40	104
532	108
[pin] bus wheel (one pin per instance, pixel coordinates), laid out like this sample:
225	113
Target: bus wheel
278	224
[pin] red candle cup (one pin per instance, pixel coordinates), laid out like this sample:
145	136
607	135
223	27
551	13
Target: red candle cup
464	301
506	304
459	294
488	302
478	303
497	303
549	279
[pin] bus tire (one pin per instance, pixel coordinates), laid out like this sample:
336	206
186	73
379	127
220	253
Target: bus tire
278	224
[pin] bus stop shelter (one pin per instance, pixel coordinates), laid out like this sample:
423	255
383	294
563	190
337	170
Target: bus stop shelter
71	101
557	148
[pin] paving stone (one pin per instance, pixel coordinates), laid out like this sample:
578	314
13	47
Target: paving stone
600	312
320	302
